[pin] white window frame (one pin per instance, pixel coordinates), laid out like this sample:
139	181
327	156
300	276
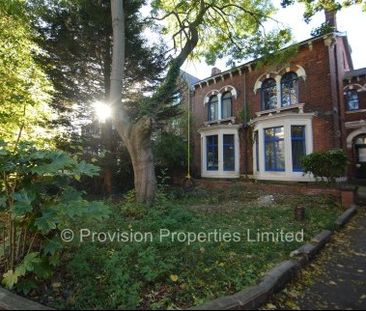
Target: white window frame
220	132
285	121
219	94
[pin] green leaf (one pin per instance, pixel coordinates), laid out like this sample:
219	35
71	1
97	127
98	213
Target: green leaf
10	278
47	222
20	208
87	169
52	246
24	197
43	270
54	261
59	161
3	202
28	263
26	286
23	203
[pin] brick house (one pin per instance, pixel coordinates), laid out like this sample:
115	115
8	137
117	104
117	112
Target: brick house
259	121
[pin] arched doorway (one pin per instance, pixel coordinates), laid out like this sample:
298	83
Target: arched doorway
359	149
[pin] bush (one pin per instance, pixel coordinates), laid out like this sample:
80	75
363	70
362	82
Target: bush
326	165
37	201
170	151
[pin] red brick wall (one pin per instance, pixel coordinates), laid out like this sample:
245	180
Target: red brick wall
356	116
314	92
353	117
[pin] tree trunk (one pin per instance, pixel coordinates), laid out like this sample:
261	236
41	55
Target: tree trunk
136	136
139	147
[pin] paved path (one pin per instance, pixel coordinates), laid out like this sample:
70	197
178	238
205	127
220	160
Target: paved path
337	279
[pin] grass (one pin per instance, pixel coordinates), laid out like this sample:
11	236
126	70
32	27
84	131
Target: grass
173	275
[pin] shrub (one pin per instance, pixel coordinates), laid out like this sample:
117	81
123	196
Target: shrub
37	201
170	151
326	165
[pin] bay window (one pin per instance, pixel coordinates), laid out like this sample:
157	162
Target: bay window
279	144
298	146
229	153
212	153
274	149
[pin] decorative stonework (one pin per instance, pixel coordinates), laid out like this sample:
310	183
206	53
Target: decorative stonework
226	88
355	86
277	75
354	134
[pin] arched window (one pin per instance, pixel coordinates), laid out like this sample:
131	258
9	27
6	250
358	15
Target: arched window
226	105
352	100
289	89
213	108
269	94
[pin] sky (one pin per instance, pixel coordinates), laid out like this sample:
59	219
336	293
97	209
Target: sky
350	20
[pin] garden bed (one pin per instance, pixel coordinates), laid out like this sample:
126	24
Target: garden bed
173	274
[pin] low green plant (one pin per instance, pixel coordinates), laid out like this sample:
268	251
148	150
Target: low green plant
327	165
37	201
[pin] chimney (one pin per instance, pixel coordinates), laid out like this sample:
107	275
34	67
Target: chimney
331	19
215	71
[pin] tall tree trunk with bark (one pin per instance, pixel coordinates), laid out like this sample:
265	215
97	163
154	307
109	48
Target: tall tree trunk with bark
136	136
139	147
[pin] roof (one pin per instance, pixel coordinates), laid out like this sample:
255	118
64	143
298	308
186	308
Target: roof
355	73
348	51
240	67
191	80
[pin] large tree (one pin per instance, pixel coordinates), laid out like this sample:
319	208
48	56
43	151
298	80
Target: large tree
78	38
25	90
208	28
314	6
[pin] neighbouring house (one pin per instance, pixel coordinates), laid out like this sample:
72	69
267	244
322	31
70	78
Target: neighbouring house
259	121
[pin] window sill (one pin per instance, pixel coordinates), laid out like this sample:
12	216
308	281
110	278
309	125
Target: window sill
300	107
220	174
356	111
227	120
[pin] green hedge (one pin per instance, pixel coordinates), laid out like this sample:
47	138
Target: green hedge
326	165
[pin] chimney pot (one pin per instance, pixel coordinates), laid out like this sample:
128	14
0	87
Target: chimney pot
331	18
215	71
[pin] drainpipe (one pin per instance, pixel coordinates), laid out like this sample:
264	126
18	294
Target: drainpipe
189	132
331	42
245	144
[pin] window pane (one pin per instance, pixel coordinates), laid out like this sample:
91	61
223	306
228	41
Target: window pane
212	153
226	106
352	100
269	94
256	138
289	89
361	155
360	140
274	149
298	146
229	153
212	108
